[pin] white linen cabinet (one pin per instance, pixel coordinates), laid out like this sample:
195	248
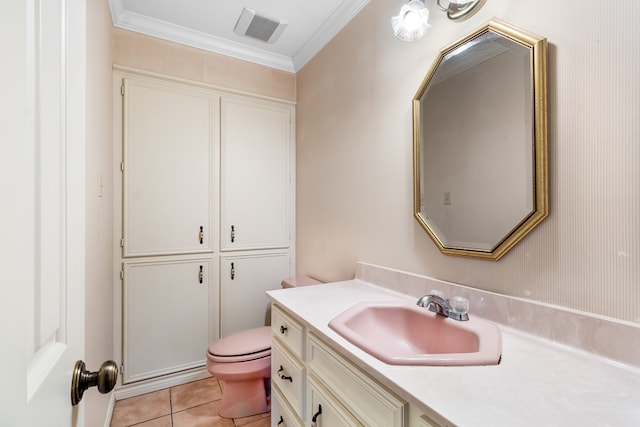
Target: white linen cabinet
166	152
256	188
190	161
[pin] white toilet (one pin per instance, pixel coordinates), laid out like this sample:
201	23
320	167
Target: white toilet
243	362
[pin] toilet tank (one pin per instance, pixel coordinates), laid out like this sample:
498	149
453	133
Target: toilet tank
296	281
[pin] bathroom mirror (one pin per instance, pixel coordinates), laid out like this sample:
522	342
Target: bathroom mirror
480	142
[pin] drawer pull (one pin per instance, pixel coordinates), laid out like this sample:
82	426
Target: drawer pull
314	419
201	235
281	421
233	234
201	275
283	329
283	376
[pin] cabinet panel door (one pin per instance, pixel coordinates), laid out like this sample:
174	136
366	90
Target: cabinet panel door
244	279
324	410
169	136
166	317
370	402
255	175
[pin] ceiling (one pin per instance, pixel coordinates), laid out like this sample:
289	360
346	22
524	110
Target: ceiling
209	25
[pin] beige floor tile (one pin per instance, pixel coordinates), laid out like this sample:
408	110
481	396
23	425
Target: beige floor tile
158	422
260	420
141	408
194	394
201	416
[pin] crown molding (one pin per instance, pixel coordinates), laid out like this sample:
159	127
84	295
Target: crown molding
331	27
178	34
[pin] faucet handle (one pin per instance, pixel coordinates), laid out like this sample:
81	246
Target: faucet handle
459	308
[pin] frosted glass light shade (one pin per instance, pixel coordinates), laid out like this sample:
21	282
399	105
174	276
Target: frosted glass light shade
412	21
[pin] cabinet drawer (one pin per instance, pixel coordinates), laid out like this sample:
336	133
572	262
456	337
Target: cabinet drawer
281	414
368	400
288	331
288	375
324	410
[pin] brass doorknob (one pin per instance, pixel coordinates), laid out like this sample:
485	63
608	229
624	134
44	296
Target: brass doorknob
82	379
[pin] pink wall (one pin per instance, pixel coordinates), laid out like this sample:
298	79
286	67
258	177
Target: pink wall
160	56
354	156
99	200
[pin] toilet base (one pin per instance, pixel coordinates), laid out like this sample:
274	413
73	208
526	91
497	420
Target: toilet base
245	398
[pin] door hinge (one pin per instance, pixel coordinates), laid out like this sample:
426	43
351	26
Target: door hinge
121	274
122	90
121	166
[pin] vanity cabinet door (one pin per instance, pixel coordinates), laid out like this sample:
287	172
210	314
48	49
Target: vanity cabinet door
256	184
244	279
369	401
324	410
169	139
166	325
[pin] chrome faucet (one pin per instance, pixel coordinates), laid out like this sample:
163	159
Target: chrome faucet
441	306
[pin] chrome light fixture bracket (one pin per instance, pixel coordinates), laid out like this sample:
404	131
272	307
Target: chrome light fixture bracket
457	10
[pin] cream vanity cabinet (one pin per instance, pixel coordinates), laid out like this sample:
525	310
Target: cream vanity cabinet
332	391
190	161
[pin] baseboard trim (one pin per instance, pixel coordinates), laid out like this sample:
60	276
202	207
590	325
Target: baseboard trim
109	416
148	386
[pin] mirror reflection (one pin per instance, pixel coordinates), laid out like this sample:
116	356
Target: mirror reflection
480	142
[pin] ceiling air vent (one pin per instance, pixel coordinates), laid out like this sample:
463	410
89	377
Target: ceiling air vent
259	27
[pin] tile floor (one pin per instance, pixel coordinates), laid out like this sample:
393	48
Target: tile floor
187	405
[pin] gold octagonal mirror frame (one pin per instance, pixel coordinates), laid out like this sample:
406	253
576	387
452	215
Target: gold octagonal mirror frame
537	188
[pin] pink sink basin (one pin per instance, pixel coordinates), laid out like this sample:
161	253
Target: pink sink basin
405	334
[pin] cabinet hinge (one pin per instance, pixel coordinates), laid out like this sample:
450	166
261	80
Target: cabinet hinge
121	166
121	274
122	90
122	369
122	242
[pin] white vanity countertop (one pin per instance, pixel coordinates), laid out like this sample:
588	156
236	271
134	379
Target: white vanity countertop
537	383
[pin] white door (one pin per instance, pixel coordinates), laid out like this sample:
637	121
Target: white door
42	216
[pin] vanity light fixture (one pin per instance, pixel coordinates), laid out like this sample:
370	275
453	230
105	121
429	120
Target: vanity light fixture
411	23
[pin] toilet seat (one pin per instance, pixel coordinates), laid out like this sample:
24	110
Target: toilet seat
242	346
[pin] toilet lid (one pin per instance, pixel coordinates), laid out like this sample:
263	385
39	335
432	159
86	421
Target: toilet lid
252	343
